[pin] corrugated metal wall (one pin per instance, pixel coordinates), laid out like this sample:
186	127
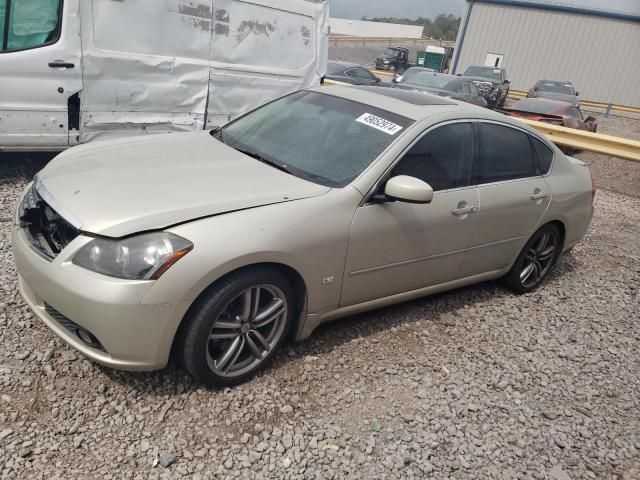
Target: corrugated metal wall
601	56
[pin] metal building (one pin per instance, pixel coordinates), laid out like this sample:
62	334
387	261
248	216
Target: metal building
597	50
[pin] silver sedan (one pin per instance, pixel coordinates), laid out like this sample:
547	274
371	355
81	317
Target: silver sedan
218	246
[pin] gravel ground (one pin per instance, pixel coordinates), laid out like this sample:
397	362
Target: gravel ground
475	383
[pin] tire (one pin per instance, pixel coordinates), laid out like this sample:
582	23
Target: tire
535	261
227	336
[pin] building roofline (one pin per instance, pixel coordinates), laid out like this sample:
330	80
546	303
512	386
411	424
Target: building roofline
562	8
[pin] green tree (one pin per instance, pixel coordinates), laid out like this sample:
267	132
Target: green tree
443	27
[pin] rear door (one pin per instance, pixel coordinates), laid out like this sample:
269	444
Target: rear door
40	73
146	67
513	196
261	50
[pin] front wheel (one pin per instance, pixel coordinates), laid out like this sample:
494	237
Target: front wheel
535	261
236	326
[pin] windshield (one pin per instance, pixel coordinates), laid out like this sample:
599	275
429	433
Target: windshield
425	79
535	106
484	72
556	87
390	52
318	137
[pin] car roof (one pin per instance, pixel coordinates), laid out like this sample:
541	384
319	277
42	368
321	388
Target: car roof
413	105
559	82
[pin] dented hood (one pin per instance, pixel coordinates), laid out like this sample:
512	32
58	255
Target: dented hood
122	187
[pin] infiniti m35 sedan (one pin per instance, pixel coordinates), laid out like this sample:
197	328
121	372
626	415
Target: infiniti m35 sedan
217	246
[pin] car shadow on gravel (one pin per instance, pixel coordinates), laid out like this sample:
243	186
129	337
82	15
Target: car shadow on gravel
433	310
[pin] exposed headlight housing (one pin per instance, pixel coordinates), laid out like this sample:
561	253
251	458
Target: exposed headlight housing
494	95
143	257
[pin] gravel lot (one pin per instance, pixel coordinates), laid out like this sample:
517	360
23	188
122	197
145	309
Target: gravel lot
475	383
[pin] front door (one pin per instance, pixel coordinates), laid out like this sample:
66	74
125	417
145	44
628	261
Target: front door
40	72
396	247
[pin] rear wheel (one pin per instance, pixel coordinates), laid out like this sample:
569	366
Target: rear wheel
234	329
535	261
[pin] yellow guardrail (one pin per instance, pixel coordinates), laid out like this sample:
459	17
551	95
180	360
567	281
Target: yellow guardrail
578	139
588	141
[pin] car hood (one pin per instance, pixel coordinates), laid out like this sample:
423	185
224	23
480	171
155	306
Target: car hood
127	186
563	97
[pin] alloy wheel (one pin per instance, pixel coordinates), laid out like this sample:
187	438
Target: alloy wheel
246	331
539	259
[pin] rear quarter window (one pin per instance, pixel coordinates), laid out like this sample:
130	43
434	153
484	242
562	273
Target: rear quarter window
544	154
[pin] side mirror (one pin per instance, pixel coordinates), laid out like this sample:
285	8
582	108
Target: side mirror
408	189
507	82
535	89
577	94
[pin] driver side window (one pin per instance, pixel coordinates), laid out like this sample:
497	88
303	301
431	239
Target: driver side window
29	23
443	157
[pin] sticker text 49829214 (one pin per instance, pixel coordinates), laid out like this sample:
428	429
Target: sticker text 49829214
379	123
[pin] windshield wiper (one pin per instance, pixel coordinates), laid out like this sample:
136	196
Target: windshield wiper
259	157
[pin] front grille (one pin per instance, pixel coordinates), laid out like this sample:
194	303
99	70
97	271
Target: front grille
484	87
47	231
82	333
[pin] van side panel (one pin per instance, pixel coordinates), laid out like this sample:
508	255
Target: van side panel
261	51
146	66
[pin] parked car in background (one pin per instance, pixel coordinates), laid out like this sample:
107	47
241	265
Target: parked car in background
394	59
492	82
352	73
555	90
73	71
218	245
451	86
551	111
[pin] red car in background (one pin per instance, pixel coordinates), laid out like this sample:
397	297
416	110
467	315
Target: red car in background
551	111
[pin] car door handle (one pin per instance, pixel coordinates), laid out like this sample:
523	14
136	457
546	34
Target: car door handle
538	195
464	210
61	64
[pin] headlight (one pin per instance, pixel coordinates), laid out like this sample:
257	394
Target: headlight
143	257
28	201
386	61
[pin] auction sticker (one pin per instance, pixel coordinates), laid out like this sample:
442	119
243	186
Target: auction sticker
379	123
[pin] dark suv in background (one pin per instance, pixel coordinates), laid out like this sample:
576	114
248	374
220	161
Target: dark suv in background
492	83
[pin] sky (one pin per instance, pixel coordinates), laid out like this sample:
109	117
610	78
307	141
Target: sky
356	9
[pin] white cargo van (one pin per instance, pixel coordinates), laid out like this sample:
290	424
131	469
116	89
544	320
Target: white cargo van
72	71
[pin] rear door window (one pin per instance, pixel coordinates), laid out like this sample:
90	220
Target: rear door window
28	24
361	74
504	154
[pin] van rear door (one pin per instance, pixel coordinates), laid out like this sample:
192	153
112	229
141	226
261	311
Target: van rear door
261	50
40	74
